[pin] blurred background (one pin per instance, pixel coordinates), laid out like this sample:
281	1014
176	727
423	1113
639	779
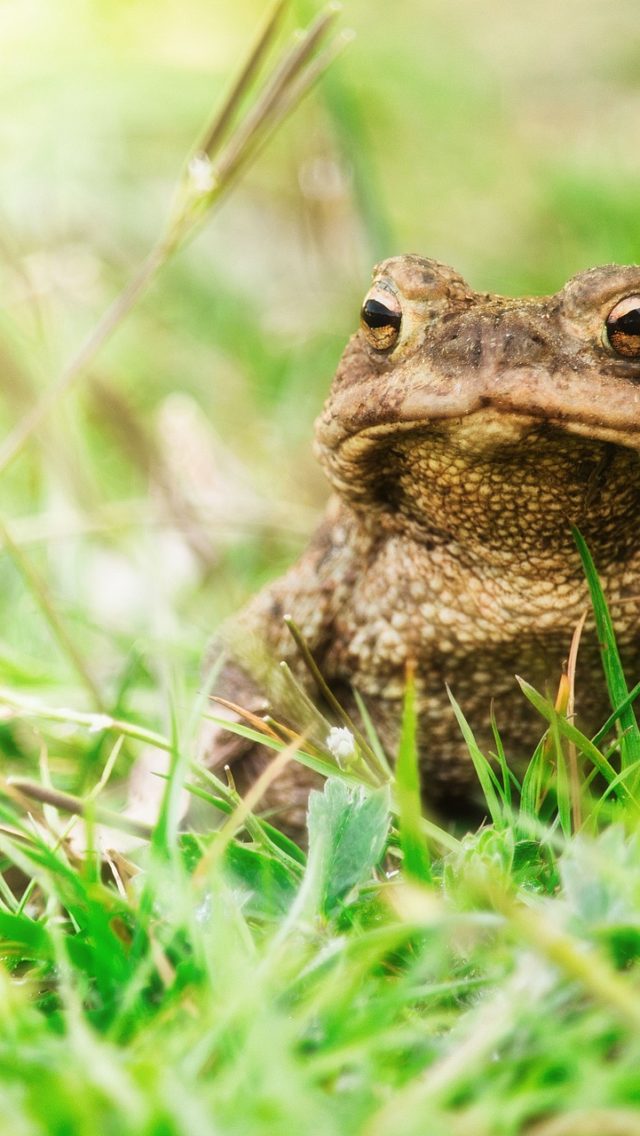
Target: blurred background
178	475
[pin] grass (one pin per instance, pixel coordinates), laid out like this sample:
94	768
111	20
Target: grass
205	984
396	977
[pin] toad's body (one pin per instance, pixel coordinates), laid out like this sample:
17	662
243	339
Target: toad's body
464	435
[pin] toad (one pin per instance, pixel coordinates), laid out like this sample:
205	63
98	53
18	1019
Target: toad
464	434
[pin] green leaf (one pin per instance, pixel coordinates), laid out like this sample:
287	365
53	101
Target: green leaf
268	888
18	931
347	834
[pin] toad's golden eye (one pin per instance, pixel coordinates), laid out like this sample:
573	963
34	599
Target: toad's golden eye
622	328
380	318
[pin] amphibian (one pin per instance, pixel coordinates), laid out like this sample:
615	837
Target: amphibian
464	434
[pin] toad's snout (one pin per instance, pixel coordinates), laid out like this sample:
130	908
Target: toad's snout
492	341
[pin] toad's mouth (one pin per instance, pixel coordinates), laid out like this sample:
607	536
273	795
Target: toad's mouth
481	432
462	476
604	408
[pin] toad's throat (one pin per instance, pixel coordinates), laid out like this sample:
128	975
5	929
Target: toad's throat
522	483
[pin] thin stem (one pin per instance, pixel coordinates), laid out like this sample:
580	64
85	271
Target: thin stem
289	100
76	806
327	692
590	1122
40	593
22	706
86	353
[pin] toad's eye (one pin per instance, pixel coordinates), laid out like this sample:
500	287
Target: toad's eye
622	328
381	317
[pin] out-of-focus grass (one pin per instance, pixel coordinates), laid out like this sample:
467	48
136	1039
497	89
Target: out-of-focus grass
493	137
226	987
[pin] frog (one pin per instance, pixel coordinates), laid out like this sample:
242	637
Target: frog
465	436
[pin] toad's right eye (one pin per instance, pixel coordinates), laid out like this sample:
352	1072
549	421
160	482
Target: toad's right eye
622	328
380	319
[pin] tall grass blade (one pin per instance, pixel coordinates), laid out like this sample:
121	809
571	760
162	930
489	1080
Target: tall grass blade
493	791
563	794
417	862
568	730
611	662
372	736
615	716
508	778
533	782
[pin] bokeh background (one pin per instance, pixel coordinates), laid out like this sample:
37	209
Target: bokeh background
178	475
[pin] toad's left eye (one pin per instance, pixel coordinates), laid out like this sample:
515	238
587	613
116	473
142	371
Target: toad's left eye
622	328
380	318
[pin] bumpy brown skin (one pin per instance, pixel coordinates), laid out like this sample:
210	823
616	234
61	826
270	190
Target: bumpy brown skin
460	459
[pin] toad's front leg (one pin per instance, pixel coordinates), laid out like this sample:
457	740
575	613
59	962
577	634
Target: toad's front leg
243	667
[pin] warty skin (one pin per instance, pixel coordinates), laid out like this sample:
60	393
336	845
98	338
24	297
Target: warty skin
462	438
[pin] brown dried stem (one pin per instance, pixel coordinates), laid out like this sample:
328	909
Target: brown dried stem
217	128
76	806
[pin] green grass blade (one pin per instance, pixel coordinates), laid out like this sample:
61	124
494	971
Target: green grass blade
533	782
417	863
563	794
568	730
611	662
166	827
629	773
372	735
615	717
509	779
493	792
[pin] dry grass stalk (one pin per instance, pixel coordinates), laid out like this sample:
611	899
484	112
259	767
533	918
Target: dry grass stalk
208	175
